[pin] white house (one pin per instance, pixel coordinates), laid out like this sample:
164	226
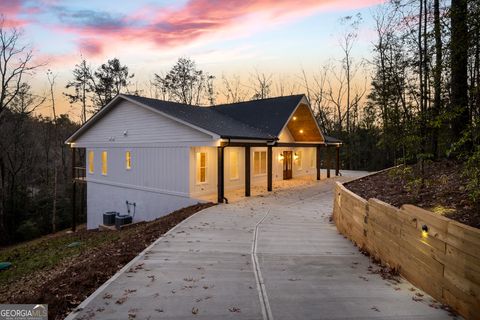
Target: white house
164	156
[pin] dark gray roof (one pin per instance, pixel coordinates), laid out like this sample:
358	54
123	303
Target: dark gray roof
206	118
270	115
257	119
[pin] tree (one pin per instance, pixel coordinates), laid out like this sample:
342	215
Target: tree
459	62
232	89
15	65
109	79
82	84
261	84
186	84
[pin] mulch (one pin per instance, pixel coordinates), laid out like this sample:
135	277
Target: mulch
442	191
70	282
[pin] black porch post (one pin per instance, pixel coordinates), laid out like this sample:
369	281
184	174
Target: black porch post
247	171
337	164
269	168
329	161
220	191
318	162
74	192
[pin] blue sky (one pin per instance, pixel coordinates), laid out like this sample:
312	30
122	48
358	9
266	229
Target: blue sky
230	37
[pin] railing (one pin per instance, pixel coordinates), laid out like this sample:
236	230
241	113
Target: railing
79	173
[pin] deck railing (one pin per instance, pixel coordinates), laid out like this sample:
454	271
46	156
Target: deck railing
79	173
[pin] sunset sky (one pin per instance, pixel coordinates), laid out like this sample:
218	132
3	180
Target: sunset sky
229	37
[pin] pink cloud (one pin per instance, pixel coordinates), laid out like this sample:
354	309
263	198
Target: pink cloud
10	10
173	26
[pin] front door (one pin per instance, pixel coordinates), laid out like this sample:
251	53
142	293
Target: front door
287	165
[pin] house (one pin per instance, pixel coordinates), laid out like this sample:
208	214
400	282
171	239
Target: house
164	155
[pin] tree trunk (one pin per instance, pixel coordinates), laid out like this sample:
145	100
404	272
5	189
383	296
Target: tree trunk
54	210
437	81
459	72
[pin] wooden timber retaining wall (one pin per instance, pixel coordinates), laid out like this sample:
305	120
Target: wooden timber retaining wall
445	263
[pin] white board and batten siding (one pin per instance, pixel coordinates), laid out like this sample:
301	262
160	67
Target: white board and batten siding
158	180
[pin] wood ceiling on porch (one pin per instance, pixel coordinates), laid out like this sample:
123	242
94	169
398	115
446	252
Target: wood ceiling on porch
302	126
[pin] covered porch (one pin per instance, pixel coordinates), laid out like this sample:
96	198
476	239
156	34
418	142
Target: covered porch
325	163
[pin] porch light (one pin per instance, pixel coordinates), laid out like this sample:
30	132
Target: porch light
424	231
295	156
301	131
280	157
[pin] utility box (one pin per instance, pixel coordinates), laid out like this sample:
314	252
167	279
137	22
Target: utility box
109	218
121	220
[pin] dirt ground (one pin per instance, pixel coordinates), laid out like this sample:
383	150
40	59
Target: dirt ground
441	191
65	285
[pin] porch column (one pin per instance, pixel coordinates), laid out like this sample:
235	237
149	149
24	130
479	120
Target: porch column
329	161
247	171
337	164
269	168
220	186
318	162
74	192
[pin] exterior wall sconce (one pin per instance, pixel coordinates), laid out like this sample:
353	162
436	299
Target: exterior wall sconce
280	157
424	231
295	156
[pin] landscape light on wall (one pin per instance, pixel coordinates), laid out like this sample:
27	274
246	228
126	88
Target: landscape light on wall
424	231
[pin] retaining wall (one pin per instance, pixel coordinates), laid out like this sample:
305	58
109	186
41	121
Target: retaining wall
445	262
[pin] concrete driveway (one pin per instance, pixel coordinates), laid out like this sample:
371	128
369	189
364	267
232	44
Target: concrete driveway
271	257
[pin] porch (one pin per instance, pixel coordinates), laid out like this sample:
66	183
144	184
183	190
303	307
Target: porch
236	194
281	162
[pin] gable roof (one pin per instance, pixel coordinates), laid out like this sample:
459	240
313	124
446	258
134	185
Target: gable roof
261	119
206	118
269	114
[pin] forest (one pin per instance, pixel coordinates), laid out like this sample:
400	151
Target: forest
416	99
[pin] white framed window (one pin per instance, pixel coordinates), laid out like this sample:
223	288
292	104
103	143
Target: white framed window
128	160
234	165
104	163
201	167
259	162
299	159
91	161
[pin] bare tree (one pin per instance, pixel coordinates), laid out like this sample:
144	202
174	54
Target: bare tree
232	89
82	84
15	64
186	84
347	41
261	84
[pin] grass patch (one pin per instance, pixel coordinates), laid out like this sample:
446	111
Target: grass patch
47	252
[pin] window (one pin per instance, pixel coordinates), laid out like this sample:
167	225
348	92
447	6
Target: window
128	160
259	162
201	167
233	165
104	163
91	163
299	159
